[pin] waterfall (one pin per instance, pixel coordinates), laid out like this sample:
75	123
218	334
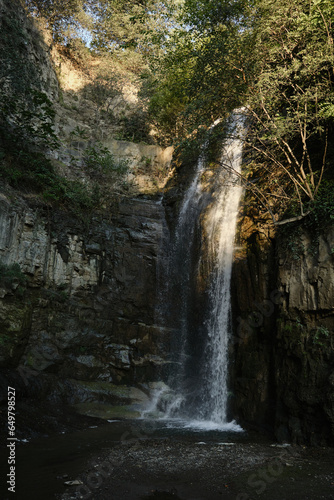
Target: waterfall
178	288
199	377
221	228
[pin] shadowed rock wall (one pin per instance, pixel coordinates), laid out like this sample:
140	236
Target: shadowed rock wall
283	358
87	311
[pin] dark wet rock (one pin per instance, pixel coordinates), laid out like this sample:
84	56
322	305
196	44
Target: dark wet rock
85	320
87	317
282	346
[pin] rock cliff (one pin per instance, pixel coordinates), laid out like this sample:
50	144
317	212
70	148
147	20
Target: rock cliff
283	343
84	320
78	296
78	290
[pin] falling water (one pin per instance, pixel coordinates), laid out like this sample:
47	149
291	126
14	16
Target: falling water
221	228
178	288
200	380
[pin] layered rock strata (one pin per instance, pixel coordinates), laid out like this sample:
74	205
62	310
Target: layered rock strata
283	354
85	318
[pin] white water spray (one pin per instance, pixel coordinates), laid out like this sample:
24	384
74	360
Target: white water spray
211	394
221	228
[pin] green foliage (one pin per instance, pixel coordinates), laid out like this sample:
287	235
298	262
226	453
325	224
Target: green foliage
110	25
10	274
34	172
123	34
5	339
297	336
99	161
295	247
290	240
146	161
78	132
320	336
166	108
288	328
274	58
135	127
202	74
291	87
293	327
26	113
26	124
59	295
64	19
322	208
106	85
107	175
188	150
28	121
206	58
318	220
126	25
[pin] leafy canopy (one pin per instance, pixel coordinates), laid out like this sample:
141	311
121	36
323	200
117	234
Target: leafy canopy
107	24
276	59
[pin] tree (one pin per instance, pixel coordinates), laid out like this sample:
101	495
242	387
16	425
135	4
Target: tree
291	97
203	71
64	19
109	25
26	112
276	59
121	24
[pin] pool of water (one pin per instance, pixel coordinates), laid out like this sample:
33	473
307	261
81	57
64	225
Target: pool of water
44	464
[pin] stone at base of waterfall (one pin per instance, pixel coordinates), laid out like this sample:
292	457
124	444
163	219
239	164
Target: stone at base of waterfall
84	391
107	401
106	411
158	386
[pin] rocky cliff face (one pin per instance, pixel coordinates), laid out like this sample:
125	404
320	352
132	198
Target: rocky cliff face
33	63
85	319
283	343
78	293
78	298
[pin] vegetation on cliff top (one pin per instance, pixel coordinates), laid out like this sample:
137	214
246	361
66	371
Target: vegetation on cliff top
195	61
276	59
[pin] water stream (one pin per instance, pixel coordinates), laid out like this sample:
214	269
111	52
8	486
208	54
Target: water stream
221	227
199	377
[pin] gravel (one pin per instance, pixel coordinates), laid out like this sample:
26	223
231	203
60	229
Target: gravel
169	469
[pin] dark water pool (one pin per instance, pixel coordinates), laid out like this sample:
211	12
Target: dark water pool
44	464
